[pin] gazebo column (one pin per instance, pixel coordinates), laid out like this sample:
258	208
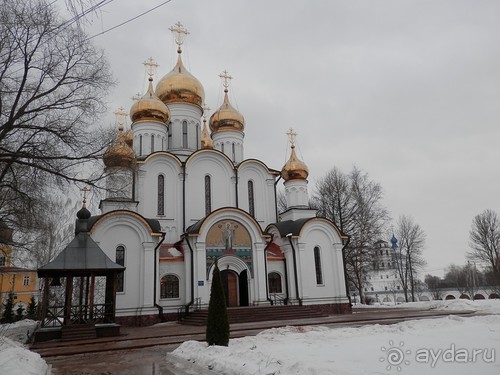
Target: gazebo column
91	297
80	300
45	299
110	298
68	300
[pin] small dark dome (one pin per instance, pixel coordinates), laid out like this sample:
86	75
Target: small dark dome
83	213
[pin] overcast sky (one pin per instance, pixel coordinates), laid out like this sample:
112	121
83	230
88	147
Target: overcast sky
408	91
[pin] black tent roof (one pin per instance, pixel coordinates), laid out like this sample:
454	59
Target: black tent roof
82	255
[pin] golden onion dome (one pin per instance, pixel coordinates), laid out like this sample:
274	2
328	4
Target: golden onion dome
150	107
294	169
129	138
227	118
180	86
119	154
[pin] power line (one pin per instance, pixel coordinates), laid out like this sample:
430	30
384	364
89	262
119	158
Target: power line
129	20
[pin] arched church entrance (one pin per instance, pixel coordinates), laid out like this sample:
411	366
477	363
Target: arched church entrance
229	244
235	287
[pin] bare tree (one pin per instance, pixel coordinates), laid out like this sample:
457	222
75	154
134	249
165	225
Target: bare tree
408	254
53	82
434	285
485	243
353	202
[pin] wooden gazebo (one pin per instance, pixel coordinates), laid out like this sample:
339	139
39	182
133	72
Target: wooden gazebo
79	290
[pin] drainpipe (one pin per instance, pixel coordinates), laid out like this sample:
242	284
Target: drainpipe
345	271
192	273
289	236
184	197
160	309
265	268
236	186
276	197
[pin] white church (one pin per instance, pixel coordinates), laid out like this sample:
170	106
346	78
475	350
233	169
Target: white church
181	195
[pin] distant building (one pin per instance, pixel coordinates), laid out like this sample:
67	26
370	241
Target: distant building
382	281
22	282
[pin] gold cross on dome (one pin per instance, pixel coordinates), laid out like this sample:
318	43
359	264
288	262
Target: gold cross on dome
136	97
225	79
150	65
85	190
121	117
291	136
206	108
180	33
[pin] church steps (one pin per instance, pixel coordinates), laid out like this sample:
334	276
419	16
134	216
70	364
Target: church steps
257	314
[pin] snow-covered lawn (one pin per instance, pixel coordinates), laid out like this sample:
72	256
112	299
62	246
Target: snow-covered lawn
15	359
450	345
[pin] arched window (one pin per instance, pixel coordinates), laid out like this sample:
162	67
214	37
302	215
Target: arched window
2	260
161	195
222	147
317	265
152	143
208	195
169	286
274	279
197	135
251	200
140	145
169	141
184	134
120	259
233	151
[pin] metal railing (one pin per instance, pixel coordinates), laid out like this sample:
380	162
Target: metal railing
185	310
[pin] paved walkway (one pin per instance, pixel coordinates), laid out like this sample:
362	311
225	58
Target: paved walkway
143	350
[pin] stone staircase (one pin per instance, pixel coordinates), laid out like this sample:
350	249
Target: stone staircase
78	332
256	314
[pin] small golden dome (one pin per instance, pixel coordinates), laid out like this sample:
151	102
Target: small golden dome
180	86
119	154
150	107
129	138
206	140
226	118
294	169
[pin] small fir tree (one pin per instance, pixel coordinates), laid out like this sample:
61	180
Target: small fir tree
19	313
32	307
8	311
217	322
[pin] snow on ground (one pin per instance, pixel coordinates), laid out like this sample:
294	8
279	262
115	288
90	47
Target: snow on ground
14	358
450	345
487	306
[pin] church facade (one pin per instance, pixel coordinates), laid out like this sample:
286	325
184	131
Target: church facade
181	196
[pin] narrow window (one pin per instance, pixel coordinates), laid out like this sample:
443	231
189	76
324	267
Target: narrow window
222	147
169	286
2	260
197	135
208	195
161	195
140	145
152	143
251	201
184	134
169	142
317	264
26	280
274	279
233	150
120	259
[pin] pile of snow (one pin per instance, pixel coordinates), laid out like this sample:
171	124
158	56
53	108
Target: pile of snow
440	346
19	331
15	359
